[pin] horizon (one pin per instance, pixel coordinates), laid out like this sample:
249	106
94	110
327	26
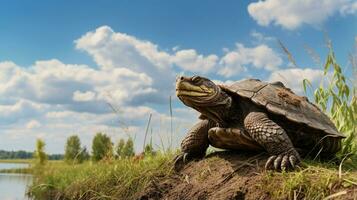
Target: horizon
62	63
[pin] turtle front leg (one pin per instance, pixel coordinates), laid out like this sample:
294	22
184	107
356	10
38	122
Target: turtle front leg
195	144
274	139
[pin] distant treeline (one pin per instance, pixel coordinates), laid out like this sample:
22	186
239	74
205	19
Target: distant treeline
25	155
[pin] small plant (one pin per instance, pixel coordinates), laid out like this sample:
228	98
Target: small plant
149	150
40	154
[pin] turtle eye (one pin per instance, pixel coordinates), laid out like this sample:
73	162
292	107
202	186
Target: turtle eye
196	79
210	84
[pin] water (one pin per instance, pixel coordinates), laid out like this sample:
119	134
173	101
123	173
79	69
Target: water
13	165
13	186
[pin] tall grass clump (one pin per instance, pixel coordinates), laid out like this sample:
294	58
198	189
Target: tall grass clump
336	95
120	179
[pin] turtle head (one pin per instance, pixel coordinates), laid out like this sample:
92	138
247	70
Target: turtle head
204	96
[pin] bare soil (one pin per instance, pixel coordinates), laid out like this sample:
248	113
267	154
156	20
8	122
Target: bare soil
221	175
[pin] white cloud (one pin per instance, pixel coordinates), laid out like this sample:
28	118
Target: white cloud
292	14
189	60
294	77
114	49
260	37
349	8
225	82
55	83
21	109
261	56
83	96
33	124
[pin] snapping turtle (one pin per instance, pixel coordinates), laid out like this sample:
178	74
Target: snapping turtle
258	116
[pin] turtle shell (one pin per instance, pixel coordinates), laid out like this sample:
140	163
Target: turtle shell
280	100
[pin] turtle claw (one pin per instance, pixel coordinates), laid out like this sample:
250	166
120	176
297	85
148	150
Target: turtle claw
293	161
285	163
180	160
277	162
269	163
282	162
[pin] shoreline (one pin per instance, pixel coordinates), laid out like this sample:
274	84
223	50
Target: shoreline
17	171
24	161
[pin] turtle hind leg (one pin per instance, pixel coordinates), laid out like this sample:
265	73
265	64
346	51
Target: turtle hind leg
325	148
195	144
274	140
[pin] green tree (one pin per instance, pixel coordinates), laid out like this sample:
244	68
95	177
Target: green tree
73	151
128	150
119	149
102	147
72	148
39	153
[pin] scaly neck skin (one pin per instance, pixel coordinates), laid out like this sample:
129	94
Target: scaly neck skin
220	112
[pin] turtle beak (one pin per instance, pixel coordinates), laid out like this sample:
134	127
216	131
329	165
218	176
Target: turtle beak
185	87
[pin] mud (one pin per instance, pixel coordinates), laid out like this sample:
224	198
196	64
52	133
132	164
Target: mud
220	176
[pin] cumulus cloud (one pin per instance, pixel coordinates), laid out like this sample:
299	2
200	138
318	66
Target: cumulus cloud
294	77
83	96
261	57
20	110
53	82
114	49
292	14
189	60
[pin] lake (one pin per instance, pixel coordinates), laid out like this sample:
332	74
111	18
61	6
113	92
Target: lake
13	186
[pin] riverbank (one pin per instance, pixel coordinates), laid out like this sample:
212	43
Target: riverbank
220	176
17	171
111	179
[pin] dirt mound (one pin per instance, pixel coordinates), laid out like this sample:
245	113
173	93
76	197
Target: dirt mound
221	175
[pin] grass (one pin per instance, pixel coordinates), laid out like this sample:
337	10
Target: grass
119	179
315	181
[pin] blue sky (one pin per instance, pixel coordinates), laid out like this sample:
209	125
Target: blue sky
62	62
